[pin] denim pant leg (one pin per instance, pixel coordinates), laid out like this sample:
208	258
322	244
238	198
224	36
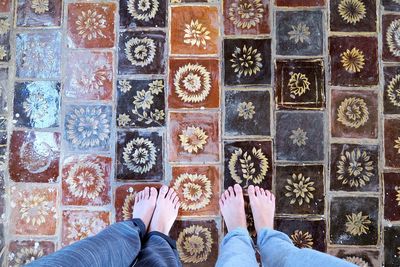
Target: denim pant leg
117	245
237	250
278	250
158	250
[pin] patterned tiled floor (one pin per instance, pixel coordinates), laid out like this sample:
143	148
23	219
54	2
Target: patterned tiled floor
99	99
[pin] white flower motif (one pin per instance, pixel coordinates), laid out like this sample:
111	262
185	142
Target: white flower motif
124	86
35	106
40	6
353	112
140	155
36	156
300	189
357	261
393	37
246	110
246	61
299	137
127	207
357	224
352	11
27	255
298	84
35	208
300	33
143	9
156	87
140	51
91	78
3	52
123	120
393	90
397	144
79	228
246	14
193	139
194	244
196	34
90	25
4	26
143	99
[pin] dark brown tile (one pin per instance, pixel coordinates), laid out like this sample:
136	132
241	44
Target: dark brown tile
391	44
26	251
134	14
358	256
392	142
38	13
291	3
392	245
391	92
391	183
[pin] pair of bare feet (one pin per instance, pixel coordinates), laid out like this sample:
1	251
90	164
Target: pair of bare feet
158	211
262	204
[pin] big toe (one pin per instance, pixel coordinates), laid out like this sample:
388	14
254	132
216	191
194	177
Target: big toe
238	190
163	192
251	191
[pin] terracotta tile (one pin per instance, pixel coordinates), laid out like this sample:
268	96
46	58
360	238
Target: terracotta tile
141	103
391	95
34	156
248	156
79	224
34	13
354	220
301	136
354	114
354	61
354	168
5	52
34	210
358	256
133	14
390	43
26	251
37	104
91	25
194	30
140	155
300	84
5	5
390	5
141	52
197	188
242	17
194	137
86	180
299	33
291	3
392	142
392	196
4	88
391	245
194	83
91	77
247	113
125	199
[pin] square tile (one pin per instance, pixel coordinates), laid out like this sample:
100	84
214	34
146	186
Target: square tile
141	52
390	43
391	245
354	168
194	83
391	90
21	252
5	6
300	84
140	155
37	104
311	179
86	180
353	16
246	17
38	55
392	142
88	127
291	3
91	78
248	163
34	156
390	5
91	25
354	114
4	88
134	13
141	103
391	183
358	256
5	52
301	136
194	137
299	33
36	13
79	224
198	189
247	61
354	61
247	113
34	210
354	220
194	30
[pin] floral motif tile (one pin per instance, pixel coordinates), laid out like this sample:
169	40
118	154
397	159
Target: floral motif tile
34	210
141	52
390	5
38	13
197	188
304	233
354	61
26	251
4	88
79	224
299	33
135	13
38	55
301	136
354	114
245	17
194	83
390	42
300	84
391	90
247	61
291	3
247	113
37	104
392	246
88	127
141	103
140	155
391	183
86	180
354	168
354	221
392	142
194	137
91	25
34	156
310	179
197	242
194	30
248	163
357	256
5	6
91	78
5	53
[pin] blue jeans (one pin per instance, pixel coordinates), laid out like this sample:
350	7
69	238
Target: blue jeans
276	249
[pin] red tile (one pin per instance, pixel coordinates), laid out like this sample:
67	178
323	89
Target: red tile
5	5
26	251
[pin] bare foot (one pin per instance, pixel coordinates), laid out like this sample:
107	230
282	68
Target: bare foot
145	203
231	204
166	210
262	204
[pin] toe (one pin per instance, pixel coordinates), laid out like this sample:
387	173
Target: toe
262	191
177	205
257	189
153	193
267	193
170	193
272	197
136	198
226	193
221	203
173	195
146	193
238	190
175	200
163	191
141	195
231	193
222	198
251	190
